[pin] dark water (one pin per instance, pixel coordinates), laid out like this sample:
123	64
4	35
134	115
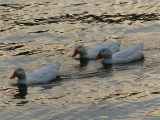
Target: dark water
34	33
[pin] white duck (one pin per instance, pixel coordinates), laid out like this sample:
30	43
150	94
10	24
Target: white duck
127	55
43	75
114	46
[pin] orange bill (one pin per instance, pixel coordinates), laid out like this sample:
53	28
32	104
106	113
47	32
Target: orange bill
14	75
75	53
99	56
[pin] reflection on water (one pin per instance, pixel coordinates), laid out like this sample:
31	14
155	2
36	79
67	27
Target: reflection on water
22	92
106	66
35	33
84	62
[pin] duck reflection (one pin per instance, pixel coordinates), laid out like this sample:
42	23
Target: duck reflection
120	67
22	92
83	62
107	66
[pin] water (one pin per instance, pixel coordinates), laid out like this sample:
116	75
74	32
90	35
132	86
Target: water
34	33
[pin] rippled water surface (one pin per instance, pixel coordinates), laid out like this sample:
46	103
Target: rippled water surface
34	33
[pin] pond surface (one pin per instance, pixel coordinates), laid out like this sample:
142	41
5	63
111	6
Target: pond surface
34	33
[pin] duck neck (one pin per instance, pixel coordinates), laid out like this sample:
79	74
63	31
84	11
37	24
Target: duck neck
84	54
107	57
21	79
107	60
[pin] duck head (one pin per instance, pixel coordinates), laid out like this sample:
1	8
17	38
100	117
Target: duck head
104	53
79	49
20	73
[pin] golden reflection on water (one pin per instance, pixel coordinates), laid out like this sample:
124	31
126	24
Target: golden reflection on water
34	34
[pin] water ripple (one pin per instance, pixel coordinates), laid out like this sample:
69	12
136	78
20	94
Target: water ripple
35	33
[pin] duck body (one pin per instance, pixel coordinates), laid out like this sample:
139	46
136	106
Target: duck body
41	76
91	54
127	55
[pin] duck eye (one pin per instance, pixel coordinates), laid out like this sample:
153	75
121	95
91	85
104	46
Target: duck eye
19	69
79	46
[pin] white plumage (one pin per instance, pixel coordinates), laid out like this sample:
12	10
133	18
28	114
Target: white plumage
127	55
43	75
114	46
